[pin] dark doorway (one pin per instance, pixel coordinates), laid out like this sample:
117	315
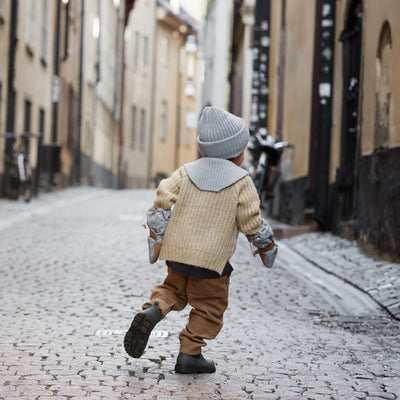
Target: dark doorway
346	178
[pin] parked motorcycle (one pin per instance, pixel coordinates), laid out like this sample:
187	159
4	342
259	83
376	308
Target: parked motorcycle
266	153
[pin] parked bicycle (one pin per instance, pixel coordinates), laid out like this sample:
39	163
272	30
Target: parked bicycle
18	166
266	153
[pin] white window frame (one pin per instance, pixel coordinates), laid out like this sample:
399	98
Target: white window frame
163	121
30	23
1	10
145	53
133	125
136	51
142	127
164	51
44	30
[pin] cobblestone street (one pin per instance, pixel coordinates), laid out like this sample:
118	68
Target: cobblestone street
74	271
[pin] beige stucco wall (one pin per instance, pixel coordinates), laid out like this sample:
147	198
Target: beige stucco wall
100	131
299	52
4	48
274	60
69	77
166	86
376	13
169	88
33	79
138	92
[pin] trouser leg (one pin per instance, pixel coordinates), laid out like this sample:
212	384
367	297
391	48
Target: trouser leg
171	294
209	299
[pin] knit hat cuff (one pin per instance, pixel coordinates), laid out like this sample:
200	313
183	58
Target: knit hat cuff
226	148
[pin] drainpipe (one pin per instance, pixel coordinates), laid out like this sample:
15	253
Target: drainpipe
233	54
10	92
56	83
78	145
152	106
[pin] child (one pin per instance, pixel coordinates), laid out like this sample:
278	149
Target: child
213	200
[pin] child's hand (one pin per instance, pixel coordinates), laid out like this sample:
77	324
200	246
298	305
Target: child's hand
263	244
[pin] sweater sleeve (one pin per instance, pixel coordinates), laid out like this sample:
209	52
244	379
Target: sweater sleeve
248	213
168	190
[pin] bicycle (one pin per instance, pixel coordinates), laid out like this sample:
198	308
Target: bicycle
18	167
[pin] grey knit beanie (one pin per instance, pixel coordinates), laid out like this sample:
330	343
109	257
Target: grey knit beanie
221	134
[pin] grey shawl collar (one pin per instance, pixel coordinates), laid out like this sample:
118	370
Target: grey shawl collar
214	174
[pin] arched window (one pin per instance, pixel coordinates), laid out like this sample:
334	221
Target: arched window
383	87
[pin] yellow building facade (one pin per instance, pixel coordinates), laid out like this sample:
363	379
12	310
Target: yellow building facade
333	92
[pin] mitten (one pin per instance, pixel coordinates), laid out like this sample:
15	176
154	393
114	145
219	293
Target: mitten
264	244
157	221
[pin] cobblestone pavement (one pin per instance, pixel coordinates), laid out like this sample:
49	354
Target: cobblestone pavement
343	258
74	263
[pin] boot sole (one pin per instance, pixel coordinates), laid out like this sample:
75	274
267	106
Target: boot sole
136	338
182	370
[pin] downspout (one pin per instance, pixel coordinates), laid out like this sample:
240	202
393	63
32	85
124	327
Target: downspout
121	116
78	145
152	107
10	92
56	74
231	78
115	100
281	84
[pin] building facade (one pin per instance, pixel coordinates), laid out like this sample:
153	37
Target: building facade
160	115
60	80
332	88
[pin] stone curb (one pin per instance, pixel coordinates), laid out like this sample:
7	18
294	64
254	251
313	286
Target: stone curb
343	258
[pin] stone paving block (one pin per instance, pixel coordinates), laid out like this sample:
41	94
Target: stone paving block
93	274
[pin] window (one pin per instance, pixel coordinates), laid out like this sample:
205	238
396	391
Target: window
178	126
133	126
42	115
29	28
27	116
136	51
145	53
66	31
182	60
163	121
44	31
188	136
384	87
71	117
142	128
27	121
191	66
165	51
2	11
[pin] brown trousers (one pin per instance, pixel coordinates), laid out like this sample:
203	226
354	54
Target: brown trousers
209	299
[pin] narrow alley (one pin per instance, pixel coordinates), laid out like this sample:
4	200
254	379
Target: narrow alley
75	270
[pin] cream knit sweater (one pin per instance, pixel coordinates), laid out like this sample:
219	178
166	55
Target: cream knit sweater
204	225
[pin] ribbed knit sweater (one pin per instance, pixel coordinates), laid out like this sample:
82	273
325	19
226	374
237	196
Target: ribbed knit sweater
204	225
